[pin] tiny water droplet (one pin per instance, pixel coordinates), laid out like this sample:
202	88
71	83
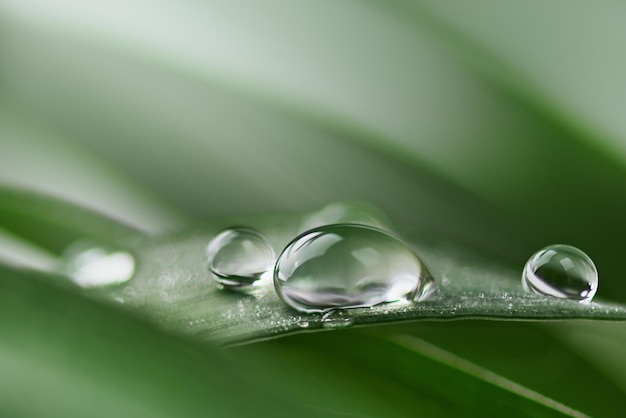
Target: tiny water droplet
349	266
561	271
346	213
337	318
90	265
303	324
239	256
445	281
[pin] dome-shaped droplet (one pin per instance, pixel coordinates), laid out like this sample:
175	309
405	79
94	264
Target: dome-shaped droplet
561	271
347	266
239	256
346	213
92	265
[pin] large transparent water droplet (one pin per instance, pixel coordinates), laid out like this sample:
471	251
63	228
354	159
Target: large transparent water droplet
239	256
347	266
90	265
344	213
561	271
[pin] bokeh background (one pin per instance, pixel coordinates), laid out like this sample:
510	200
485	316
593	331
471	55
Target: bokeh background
496	124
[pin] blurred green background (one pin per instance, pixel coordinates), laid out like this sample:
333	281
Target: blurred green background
497	125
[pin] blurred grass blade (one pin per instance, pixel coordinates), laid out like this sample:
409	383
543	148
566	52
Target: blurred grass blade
52	224
402	381
571	70
34	158
16	252
435	353
602	345
538	356
62	355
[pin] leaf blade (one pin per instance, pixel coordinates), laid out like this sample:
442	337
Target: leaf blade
174	288
80	358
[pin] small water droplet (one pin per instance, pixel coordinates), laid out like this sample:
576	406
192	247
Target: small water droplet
561	271
346	213
445	281
90	265
303	324
348	266
337	318
239	256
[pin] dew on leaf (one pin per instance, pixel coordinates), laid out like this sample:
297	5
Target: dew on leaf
239	256
90	265
348	266
561	271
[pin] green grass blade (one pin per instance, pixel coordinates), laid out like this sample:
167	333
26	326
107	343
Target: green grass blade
408	378
62	355
174	288
538	355
437	354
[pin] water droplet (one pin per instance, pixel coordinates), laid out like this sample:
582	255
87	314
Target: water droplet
89	265
348	266
239	256
346	213
561	271
303	324
336	318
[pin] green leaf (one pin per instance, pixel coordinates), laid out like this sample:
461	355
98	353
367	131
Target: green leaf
174	291
404	377
174	288
98	361
539	355
63	355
